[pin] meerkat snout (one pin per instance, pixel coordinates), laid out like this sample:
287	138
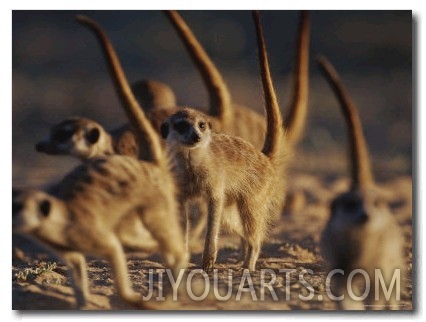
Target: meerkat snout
350	209
28	210
187	128
80	137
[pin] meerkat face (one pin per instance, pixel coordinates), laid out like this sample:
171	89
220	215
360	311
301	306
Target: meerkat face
34	209
187	128
356	209
79	137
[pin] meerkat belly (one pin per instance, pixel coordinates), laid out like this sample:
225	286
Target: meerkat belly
134	235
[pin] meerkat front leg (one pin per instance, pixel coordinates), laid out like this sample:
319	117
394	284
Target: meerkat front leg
114	253
77	265
186	209
215	210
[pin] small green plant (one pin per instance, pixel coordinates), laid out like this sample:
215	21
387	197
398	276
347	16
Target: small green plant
30	273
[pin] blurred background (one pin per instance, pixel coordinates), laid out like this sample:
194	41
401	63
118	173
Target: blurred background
59	71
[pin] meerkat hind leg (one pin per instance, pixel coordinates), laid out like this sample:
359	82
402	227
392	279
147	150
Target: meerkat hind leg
168	234
215	209
252	254
244	250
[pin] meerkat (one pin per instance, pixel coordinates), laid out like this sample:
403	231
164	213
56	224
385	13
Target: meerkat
243	187
361	232
85	138
239	120
81	216
152	94
244	122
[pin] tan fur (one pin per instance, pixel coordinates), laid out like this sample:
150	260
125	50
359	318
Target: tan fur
239	120
84	139
84	214
361	232
243	187
152	94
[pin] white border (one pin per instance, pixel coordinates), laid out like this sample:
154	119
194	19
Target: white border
5	141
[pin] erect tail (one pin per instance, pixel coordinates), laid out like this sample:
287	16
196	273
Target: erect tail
219	95
274	130
149	140
296	117
362	175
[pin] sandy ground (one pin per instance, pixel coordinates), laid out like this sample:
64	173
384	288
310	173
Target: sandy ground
292	245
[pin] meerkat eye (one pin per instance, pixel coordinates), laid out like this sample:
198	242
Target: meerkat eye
181	127
202	125
45	208
379	203
62	135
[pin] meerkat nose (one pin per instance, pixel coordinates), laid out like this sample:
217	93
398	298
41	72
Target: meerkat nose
195	138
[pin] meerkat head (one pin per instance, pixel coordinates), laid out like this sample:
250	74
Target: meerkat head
34	210
153	94
79	137
187	128
357	208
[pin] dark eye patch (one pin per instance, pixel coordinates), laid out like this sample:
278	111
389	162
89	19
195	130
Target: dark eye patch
93	136
202	125
62	135
45	208
181	127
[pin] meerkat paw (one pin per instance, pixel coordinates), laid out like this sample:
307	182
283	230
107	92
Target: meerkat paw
208	262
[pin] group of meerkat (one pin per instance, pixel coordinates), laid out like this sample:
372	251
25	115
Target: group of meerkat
134	190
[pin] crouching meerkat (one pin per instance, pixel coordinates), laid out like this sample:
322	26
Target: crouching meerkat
81	216
243	187
361	232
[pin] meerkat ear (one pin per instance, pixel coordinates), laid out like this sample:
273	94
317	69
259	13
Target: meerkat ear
210	125
93	135
45	207
164	130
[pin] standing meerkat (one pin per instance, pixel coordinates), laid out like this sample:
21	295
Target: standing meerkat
361	232
239	120
243	187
